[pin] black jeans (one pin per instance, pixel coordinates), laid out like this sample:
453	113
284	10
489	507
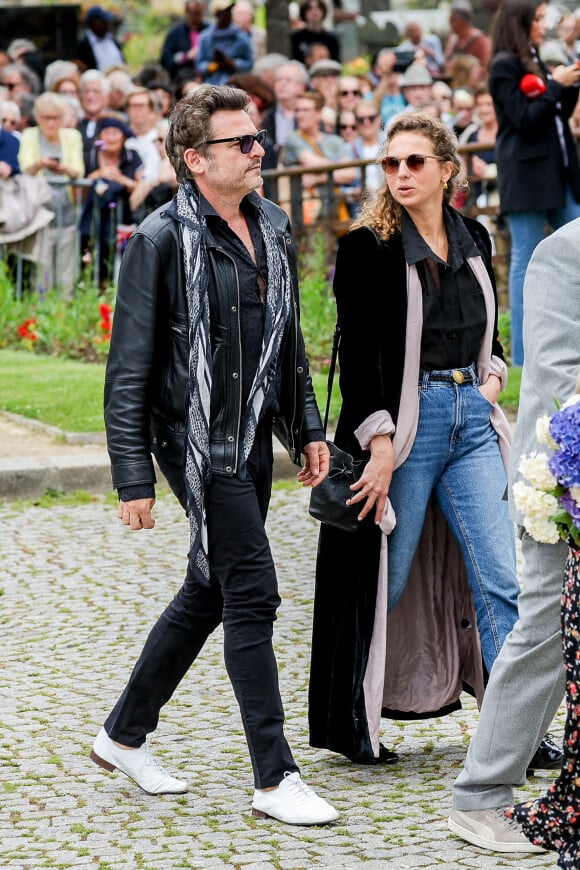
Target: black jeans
243	593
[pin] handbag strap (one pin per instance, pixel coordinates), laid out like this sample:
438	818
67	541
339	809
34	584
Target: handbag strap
331	370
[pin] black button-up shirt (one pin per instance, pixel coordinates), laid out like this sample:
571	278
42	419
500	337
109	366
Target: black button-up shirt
454	314
253	280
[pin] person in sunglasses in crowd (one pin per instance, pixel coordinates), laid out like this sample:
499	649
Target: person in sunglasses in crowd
421	369
349	92
207	311
369	142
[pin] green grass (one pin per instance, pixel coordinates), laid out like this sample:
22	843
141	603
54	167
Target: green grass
60	392
69	394
510	397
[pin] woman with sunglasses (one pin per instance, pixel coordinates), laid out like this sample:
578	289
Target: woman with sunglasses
537	163
421	368
369	142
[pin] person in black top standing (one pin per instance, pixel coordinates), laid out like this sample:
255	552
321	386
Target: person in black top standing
537	164
313	13
181	44
421	369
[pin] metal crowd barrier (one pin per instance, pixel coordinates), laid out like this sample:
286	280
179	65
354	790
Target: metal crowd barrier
283	185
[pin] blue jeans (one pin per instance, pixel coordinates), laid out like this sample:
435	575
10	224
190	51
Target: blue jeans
455	458
527	229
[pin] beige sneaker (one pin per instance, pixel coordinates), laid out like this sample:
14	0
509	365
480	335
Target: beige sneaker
491	829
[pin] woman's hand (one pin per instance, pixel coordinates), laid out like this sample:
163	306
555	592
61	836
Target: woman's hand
566	75
491	389
375	480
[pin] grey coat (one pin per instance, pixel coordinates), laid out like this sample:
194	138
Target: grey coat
550	371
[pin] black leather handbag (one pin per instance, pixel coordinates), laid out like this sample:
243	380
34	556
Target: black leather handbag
328	499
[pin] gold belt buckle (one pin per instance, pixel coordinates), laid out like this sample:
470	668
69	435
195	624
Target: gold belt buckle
458	377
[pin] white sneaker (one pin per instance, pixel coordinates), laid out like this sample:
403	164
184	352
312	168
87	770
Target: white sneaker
293	802
491	829
138	764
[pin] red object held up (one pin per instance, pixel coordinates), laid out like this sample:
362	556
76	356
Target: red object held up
532	86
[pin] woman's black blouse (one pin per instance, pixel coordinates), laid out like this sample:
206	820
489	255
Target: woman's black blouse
454	314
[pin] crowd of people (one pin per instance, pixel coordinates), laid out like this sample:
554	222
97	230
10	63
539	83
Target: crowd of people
354	102
207	361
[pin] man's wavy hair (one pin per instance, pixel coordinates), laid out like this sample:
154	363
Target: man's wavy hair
382	212
190	123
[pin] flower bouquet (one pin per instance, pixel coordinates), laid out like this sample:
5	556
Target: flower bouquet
550	501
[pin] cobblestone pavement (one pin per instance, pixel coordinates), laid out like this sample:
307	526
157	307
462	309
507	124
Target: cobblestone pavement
78	595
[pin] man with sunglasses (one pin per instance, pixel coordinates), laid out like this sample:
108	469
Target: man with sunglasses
206	361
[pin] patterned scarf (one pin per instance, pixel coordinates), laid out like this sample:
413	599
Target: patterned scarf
278	306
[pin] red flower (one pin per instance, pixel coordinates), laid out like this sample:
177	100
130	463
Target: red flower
24	330
105	324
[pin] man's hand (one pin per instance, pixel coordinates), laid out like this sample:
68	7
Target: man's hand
316	463
137	514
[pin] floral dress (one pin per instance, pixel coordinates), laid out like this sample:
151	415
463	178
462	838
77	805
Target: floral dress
553	821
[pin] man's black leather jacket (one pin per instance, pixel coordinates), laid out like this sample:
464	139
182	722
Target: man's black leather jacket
147	369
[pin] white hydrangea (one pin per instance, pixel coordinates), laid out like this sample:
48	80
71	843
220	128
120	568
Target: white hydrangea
534	503
535	469
575	493
542	531
543	432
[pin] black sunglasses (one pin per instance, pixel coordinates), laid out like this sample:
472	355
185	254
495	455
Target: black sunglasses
354	93
414	162
366	119
246	142
347	126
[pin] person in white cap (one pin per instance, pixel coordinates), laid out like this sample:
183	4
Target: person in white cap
416	84
224	48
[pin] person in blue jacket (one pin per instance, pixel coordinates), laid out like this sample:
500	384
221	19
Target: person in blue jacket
224	48
9	146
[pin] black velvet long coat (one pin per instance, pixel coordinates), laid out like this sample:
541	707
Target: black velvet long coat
371	293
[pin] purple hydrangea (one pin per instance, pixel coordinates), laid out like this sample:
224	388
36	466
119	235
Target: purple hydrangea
565	428
571	508
565	466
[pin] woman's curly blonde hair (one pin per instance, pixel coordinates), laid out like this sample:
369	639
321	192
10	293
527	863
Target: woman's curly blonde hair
382	212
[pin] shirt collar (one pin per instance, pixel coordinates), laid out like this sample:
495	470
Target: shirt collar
248	206
461	245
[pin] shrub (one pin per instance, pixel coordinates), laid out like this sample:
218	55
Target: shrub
77	327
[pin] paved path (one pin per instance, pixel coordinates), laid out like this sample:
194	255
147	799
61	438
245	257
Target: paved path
78	593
